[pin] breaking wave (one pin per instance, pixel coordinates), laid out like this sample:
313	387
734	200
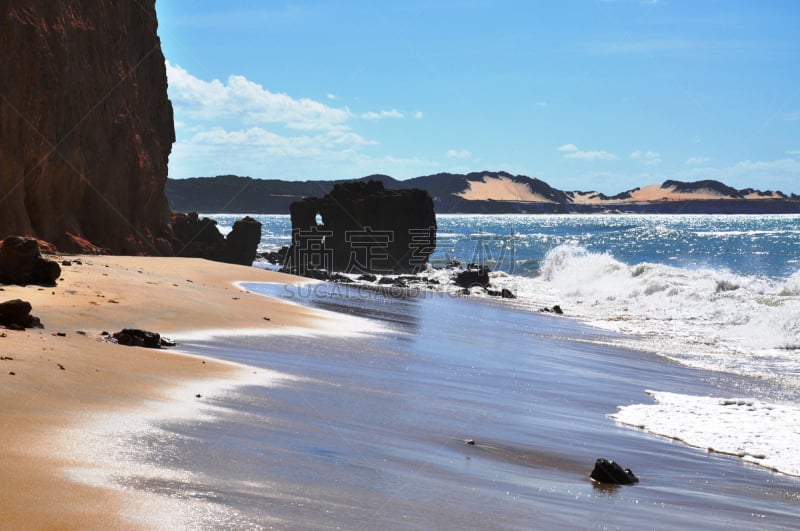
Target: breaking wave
705	317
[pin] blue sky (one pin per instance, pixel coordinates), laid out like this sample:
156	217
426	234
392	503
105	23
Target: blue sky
586	95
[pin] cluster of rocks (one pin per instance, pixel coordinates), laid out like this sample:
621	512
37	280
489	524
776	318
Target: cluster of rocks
556	309
476	275
22	263
275	257
200	238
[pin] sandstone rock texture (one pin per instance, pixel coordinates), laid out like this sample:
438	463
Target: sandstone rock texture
359	227
86	127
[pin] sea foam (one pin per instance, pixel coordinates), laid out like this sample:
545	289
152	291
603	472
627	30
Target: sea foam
756	431
704	317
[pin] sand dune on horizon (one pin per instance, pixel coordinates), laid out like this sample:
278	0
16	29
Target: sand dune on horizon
656	192
500	189
503	188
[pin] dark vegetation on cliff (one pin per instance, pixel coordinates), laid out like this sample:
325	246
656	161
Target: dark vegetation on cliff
233	194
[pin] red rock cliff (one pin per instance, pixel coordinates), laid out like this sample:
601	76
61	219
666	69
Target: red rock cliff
86	127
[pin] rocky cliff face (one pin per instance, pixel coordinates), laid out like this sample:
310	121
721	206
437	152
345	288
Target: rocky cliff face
86	127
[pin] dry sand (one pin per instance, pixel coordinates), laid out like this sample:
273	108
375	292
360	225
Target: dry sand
655	193
41	401
505	189
501	189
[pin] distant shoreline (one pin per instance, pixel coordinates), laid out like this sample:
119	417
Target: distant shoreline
697	207
483	193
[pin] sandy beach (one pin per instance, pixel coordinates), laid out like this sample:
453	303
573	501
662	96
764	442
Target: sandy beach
41	400
351	411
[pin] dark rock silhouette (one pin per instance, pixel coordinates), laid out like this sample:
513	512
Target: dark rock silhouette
276	257
16	314
360	227
474	275
134	337
196	237
504	293
242	242
610	473
22	263
200	238
86	127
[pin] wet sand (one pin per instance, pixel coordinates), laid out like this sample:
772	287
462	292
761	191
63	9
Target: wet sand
370	432
48	412
295	429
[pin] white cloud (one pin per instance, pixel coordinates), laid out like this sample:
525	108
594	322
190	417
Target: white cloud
780	174
542	104
242	99
793	152
778	166
648	158
238	126
572	152
793	117
259	153
697	161
418	115
458	154
278	144
394	113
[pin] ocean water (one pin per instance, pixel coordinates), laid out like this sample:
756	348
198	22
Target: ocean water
719	292
677	355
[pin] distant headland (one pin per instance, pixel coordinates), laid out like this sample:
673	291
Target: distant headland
484	192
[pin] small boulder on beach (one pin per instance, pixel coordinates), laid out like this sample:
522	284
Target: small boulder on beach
474	275
504	293
16	314
609	472
555	309
22	263
134	337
